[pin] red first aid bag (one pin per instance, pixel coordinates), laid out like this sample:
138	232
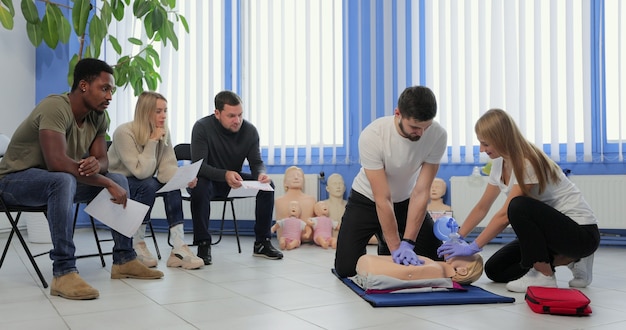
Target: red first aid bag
565	301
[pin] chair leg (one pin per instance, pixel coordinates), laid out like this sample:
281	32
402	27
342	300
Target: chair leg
24	246
232	208
156	245
221	223
95	235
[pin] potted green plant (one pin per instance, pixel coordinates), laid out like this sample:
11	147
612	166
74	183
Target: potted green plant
91	25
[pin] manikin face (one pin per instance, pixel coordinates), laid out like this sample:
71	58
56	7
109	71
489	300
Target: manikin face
438	189
294	209
231	117
294	179
335	186
321	209
410	128
160	113
487	148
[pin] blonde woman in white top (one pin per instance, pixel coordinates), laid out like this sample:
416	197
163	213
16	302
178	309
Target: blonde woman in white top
554	224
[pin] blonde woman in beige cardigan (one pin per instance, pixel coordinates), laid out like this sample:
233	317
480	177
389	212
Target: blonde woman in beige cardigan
142	151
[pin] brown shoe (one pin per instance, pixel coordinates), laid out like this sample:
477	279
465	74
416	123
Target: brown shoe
134	269
72	286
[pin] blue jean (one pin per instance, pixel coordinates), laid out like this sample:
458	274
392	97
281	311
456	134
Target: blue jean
59	191
144	191
206	190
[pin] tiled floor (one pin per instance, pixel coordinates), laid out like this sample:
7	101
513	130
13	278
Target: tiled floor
243	292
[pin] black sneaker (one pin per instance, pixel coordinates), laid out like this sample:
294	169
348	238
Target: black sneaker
266	250
204	252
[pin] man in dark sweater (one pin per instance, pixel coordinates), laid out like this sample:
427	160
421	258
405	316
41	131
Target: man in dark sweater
224	140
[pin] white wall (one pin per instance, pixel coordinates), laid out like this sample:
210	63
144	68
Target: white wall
17	82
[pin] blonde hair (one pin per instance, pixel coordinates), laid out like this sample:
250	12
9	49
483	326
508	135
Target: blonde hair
498	129
144	110
471	272
290	169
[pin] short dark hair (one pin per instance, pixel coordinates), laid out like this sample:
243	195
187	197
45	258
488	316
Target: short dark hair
418	102
88	69
226	97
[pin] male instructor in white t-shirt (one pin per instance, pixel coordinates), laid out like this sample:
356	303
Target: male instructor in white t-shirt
400	157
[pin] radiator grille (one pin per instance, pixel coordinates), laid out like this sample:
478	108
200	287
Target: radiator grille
606	194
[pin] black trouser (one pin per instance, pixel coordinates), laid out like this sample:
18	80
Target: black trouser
206	190
542	232
360	222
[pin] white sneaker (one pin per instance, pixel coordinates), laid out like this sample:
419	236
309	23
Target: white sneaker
532	278
144	255
183	257
582	271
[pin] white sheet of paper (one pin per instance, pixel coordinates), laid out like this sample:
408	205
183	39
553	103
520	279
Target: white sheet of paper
182	177
123	220
249	189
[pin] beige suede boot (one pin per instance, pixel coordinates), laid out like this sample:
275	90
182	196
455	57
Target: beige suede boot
72	286
134	269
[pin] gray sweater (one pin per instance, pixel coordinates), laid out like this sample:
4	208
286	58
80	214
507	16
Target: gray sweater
223	150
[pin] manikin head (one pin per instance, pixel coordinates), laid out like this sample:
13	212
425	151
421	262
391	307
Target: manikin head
336	186
294	178
294	209
468	269
438	189
321	209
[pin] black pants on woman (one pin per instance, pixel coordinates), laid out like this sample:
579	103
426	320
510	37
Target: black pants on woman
360	222
542	232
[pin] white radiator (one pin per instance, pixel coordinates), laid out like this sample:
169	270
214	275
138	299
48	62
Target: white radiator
606	194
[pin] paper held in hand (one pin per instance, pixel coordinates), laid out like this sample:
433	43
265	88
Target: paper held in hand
182	177
249	189
125	221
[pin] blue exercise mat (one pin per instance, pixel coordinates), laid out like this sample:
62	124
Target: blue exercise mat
473	295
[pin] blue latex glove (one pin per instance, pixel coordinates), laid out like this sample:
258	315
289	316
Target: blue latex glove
405	255
457	249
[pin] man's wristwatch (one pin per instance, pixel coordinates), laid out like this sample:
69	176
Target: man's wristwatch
409	241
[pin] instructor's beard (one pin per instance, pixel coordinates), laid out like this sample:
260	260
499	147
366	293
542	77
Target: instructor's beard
407	135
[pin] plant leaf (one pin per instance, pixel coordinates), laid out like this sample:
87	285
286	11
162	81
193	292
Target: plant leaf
80	16
9	5
70	74
135	41
116	45
29	10
64	28
183	20
154	55
118	9
6	18
142	7
158	17
50	28
106	13
34	33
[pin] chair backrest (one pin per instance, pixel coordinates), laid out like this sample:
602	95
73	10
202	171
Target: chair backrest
183	151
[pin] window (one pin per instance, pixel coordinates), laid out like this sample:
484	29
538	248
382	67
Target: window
529	58
292	77
284	58
615	71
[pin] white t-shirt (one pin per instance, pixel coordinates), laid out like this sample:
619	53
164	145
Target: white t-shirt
382	147
563	196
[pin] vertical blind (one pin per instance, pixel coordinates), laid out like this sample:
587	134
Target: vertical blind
615	57
530	58
292	78
313	73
